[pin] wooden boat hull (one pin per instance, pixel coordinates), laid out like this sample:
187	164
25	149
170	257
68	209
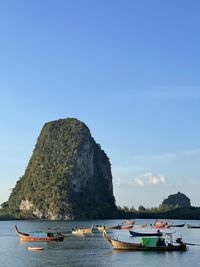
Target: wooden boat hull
120	245
39	239
102	228
28	238
177	225
136	234
113	227
126	227
88	230
78	232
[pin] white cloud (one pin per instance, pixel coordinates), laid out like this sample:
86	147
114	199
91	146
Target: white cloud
150	179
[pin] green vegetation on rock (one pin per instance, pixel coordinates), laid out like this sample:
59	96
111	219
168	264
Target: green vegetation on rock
68	176
178	200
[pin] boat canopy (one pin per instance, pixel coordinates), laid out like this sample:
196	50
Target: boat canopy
38	234
151	241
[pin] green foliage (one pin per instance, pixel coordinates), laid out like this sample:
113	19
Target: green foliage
46	181
141	208
192	213
4	205
125	208
8	214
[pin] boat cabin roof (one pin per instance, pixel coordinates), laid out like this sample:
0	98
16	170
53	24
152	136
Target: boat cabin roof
43	234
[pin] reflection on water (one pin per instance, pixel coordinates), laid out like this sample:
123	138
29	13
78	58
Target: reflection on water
89	250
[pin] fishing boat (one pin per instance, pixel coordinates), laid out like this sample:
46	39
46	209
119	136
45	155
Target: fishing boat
77	231
157	222
193	226
126	227
102	228
88	230
139	225
136	234
177	225
114	227
39	236
147	244
129	222
35	248
161	226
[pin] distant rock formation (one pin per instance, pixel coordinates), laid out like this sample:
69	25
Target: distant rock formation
68	176
178	200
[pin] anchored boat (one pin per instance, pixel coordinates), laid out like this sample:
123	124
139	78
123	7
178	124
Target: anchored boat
79	231
136	234
102	228
147	244
39	236
35	248
193	226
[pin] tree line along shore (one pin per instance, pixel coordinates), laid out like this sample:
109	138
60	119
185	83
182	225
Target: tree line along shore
190	213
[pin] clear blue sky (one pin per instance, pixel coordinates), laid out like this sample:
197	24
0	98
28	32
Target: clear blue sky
129	69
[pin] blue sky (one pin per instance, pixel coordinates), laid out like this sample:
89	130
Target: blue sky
128	69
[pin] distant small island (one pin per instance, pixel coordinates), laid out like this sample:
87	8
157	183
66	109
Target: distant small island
176	206
178	200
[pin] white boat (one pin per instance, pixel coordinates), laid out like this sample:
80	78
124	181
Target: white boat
35	248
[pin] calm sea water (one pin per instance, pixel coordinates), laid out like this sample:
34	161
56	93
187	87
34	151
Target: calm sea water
91	250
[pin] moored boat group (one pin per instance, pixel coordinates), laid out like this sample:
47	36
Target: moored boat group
156	240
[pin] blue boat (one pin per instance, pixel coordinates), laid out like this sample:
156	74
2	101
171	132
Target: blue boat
136	234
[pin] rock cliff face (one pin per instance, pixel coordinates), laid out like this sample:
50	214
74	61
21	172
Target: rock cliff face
177	200
68	176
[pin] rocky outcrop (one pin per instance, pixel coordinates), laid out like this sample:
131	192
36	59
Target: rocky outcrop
178	200
68	176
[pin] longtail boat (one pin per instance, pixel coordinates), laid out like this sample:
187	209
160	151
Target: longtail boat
177	225
35	248
126	227
79	231
102	228
113	227
88	230
39	236
136	234
159	224
146	245
193	226
129	222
